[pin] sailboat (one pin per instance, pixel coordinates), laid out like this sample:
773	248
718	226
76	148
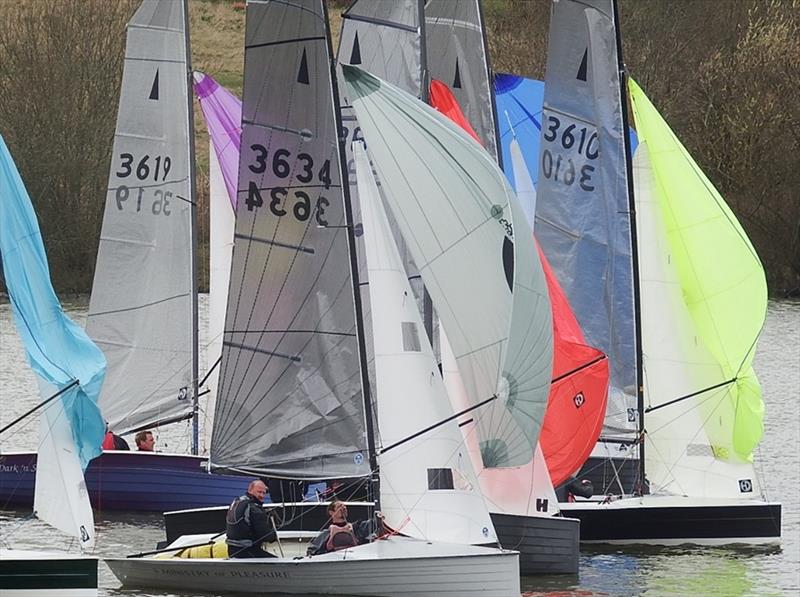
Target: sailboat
684	296
69	370
143	308
612	466
417	46
294	397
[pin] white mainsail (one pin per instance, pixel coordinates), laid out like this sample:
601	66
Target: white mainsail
428	487
523	183
459	217
141	311
60	497
222	221
679	456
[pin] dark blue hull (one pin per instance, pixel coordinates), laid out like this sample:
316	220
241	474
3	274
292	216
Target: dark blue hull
131	481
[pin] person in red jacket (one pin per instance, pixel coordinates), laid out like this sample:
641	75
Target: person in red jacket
114	442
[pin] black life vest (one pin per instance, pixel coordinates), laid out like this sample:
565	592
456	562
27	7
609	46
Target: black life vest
237	522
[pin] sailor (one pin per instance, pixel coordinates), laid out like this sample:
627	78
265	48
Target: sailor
247	524
342	534
145	441
112	441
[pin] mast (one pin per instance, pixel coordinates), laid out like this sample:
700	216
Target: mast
637	315
427	303
193	257
351	244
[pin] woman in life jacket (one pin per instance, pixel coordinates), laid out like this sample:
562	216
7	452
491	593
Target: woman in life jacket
342	534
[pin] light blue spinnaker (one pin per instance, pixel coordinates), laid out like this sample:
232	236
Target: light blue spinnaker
58	350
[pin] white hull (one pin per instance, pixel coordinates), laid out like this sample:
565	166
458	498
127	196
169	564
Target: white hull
388	568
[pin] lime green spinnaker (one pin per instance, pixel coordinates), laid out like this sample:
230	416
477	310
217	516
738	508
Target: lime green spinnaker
721	276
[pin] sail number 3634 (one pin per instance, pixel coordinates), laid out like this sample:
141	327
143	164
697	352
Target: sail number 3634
302	207
574	139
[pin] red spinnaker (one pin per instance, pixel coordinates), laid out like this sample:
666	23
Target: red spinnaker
576	406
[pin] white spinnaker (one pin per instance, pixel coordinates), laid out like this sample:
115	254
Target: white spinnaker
679	457
521	490
458	215
222	223
428	487
60	498
526	190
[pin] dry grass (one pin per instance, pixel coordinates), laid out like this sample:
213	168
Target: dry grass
723	74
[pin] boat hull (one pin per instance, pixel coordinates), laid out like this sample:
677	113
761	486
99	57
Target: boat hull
385	568
546	544
666	520
129	481
38	574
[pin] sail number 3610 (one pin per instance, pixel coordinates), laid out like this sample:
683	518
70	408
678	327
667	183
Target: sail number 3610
562	169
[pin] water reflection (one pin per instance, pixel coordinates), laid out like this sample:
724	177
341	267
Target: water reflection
640	570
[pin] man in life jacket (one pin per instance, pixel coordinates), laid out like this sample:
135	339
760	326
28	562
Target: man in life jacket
248	525
342	534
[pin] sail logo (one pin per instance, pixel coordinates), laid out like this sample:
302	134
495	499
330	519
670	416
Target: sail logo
84	534
358	459
542	504
632	415
485	531
745	486
183	393
579	399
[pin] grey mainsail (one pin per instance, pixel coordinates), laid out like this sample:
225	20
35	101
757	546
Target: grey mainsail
583	217
141	311
290	391
456	54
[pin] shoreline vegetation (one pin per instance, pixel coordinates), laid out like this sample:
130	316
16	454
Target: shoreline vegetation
724	76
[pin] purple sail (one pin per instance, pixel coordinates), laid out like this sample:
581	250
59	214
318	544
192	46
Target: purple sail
223	113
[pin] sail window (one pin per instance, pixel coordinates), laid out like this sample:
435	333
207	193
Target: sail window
410	337
440	478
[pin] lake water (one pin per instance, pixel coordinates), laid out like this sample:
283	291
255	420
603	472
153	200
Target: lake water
609	571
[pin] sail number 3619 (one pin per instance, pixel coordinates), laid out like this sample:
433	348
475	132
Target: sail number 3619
574	139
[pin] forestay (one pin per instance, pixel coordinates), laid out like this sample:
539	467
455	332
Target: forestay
456	54
582	212
290	399
703	296
428	488
458	216
141	312
63	358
